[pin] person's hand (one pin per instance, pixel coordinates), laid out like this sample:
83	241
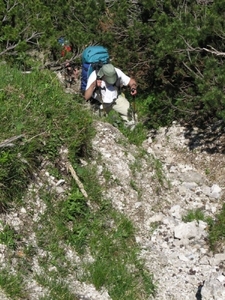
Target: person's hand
98	82
133	91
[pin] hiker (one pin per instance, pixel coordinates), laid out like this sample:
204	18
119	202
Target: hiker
105	85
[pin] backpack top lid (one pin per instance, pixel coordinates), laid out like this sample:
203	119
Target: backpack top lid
93	54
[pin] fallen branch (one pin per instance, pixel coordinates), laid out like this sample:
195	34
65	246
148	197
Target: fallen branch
78	182
9	142
214	51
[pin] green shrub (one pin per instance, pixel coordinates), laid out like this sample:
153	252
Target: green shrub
195	214
217	230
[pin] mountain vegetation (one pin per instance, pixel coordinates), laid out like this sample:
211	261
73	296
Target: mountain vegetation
175	50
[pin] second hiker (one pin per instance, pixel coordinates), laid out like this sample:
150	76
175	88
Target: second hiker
105	85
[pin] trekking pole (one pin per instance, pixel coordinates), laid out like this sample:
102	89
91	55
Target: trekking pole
98	89
100	98
134	107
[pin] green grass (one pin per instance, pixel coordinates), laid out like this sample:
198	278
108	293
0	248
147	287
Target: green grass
12	284
135	136
57	289
217	230
46	118
8	237
195	214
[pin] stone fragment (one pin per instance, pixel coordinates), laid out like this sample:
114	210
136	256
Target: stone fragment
215	191
175	211
221	278
190	230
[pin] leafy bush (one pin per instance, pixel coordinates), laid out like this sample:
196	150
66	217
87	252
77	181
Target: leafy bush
175	55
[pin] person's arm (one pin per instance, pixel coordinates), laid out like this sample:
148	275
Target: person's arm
127	81
90	90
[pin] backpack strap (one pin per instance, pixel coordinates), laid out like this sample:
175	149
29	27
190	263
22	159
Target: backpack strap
117	84
98	90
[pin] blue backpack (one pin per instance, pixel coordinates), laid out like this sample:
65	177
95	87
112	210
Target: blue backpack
93	58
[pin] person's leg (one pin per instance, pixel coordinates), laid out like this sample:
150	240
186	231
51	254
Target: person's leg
122	106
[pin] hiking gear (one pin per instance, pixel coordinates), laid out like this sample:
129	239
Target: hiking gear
93	58
108	92
109	73
66	47
133	105
109	95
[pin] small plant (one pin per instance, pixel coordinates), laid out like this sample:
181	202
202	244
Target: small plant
159	174
143	105
136	165
198	215
217	230
154	226
75	206
192	215
7	237
134	185
135	136
207	171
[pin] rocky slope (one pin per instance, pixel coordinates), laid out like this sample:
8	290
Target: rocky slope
176	252
155	187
